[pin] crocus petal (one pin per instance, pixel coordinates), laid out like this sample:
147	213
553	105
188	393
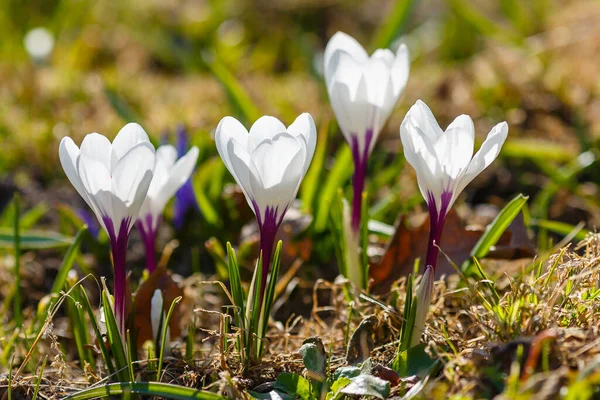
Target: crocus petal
384	55
444	161
128	137
230	129
338	44
304	126
68	153
423	119
98	147
264	128
421	155
178	175
455	147
130	171
400	70
277	169
240	162
269	162
96	181
485	156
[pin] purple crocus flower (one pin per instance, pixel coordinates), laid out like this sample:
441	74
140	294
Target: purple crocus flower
88	219
268	163
185	198
363	91
113	179
445	165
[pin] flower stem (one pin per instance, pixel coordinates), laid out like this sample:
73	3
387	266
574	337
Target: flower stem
118	246
436	226
360	173
267	241
119	260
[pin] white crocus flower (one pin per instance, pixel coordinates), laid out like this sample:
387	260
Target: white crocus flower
363	91
444	161
113	179
268	163
158	320
169	175
445	165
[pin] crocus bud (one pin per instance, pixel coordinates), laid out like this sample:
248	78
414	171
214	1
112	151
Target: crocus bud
424	293
157	319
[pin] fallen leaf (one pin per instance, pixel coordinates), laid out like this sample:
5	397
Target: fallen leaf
161	279
457	242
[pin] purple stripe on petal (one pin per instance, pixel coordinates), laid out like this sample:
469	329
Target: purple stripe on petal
360	172
148	234
118	247
268	230
436	225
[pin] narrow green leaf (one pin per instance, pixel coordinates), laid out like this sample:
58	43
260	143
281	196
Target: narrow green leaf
92	317
68	260
79	327
393	24
165	390
121	106
33	240
202	179
310	183
31	217
163	336
339	174
239	99
494	231
235	283
364	240
562	228
270	292
17	307
38	381
115	339
481	23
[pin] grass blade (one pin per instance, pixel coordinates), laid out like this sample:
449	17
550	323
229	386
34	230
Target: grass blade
339	174
17	303
235	282
165	390
310	184
33	240
163	336
114	338
239	99
68	260
494	231
393	24
92	317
